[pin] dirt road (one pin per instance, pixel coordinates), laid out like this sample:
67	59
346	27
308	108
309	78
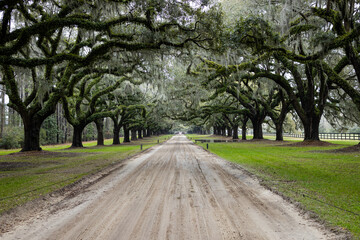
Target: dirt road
174	191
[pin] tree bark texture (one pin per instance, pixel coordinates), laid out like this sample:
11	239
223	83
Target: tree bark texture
2	112
133	135
140	135
77	136
257	127
229	131
311	128
279	131
223	131
100	131
116	135
31	135
243	128
235	134
126	134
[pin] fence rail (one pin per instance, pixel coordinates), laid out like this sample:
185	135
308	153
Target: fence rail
334	136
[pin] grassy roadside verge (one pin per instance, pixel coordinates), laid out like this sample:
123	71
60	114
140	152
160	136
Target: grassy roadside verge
325	183
27	176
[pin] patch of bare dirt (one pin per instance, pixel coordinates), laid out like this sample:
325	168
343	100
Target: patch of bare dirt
351	149
173	191
10	166
261	141
42	153
217	137
311	143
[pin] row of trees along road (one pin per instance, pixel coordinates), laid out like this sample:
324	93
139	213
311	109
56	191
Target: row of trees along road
284	56
185	60
78	53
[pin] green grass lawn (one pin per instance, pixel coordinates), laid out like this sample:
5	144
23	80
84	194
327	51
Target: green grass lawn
323	182
27	176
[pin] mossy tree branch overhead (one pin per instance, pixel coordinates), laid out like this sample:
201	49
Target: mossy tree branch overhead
58	43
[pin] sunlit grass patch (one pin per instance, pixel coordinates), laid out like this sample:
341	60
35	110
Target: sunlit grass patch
324	182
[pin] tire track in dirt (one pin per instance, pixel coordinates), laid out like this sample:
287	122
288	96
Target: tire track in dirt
174	191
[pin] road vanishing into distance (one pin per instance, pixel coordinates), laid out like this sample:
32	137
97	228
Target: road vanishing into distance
175	190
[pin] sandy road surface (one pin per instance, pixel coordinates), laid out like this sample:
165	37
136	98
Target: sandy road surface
174	191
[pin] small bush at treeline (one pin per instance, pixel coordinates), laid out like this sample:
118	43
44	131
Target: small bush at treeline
12	138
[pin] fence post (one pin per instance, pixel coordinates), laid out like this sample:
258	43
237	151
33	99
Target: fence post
140	146
207	146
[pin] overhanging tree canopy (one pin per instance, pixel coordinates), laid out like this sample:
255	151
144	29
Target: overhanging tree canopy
46	38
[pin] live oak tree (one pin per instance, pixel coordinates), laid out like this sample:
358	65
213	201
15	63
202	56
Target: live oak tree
89	97
119	116
310	49
136	124
277	109
342	113
338	53
86	105
100	131
329	58
125	103
129	121
247	93
339	40
133	116
46	36
229	113
305	84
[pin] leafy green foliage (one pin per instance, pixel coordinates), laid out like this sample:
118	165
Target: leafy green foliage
58	44
49	131
12	138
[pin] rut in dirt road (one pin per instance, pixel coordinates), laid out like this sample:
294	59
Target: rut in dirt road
175	191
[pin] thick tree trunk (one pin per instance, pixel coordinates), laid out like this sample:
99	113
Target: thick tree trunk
133	135
126	134
243	132
279	131
2	112
223	131
116	136
258	133
58	123
100	131
243	128
32	135
311	129
66	133
140	134
235	134
77	136
229	131
148	132
257	127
